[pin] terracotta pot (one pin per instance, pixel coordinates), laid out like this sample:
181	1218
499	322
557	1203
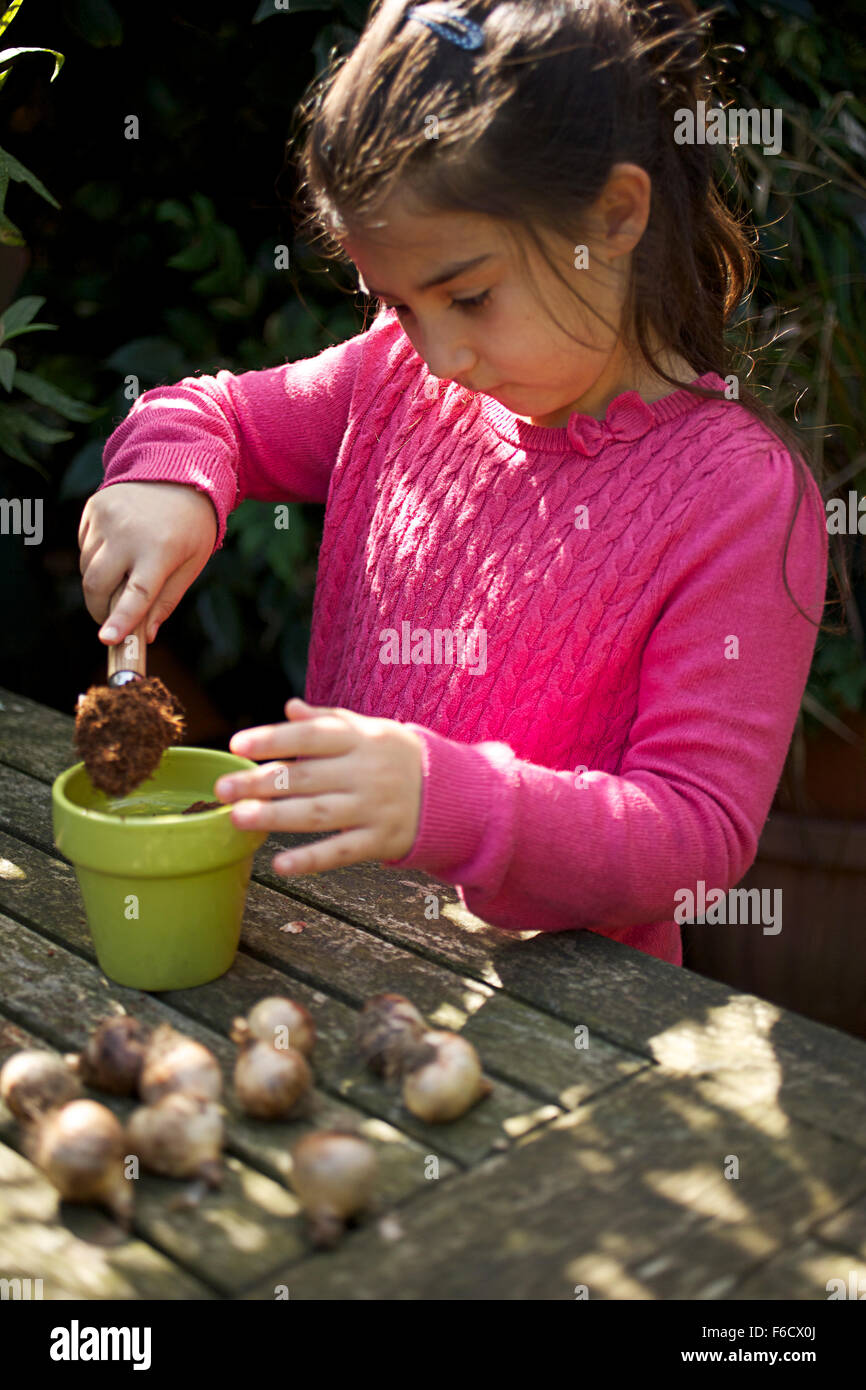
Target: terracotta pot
816	964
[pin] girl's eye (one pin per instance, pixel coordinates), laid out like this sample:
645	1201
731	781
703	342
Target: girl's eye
477	301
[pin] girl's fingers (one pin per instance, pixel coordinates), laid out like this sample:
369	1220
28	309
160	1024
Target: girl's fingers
300	815
142	585
303	778
352	848
307	738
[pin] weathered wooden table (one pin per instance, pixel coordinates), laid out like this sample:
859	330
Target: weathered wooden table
701	1145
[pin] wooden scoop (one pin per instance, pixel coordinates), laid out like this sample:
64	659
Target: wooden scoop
127	660
123	728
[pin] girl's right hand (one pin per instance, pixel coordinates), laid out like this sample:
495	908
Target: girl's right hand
158	536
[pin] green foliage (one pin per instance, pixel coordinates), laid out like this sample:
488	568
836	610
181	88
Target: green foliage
838	675
11	169
96	21
805	319
17	422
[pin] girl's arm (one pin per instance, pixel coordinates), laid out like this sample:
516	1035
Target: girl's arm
273	435
534	849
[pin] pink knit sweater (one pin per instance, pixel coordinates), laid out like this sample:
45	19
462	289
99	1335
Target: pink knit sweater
587	626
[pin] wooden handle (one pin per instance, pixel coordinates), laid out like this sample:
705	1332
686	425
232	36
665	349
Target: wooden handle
131	653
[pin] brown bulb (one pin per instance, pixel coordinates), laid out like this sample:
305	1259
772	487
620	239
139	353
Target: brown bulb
444	1079
279	1021
389	1025
81	1148
113	1057
334	1174
174	1062
33	1082
179	1136
269	1082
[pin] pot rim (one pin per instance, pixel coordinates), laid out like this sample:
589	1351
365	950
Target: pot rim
71	807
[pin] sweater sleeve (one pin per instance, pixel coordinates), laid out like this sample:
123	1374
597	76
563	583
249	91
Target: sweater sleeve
721	680
271	435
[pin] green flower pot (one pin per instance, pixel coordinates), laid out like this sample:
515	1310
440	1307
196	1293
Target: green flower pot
164	893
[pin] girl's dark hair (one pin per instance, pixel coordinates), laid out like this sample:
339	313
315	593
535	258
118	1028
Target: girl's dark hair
528	129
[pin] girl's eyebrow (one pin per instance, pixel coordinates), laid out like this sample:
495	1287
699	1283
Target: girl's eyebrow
441	278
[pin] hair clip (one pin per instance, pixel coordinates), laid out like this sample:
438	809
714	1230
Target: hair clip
464	32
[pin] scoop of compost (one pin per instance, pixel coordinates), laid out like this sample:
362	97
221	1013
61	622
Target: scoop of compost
122	734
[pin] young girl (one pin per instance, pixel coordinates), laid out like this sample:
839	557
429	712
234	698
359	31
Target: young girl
569	584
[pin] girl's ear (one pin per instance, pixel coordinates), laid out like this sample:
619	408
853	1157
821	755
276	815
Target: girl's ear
622	208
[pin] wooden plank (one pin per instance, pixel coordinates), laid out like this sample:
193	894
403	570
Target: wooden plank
520	1045
803	1271
596	1199
34	737
83	1255
847	1230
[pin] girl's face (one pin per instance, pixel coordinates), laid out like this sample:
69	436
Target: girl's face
473	315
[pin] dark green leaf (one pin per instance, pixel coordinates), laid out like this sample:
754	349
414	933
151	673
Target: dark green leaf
95	21
171	210
22	311
10	425
100	199
45	394
10	168
8	362
34	429
200	253
150	359
85	472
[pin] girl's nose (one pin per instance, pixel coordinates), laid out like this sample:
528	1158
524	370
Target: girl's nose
447	354
457	364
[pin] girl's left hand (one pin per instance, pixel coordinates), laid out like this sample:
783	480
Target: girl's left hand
356	774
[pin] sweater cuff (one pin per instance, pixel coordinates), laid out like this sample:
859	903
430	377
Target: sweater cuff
161	464
456	798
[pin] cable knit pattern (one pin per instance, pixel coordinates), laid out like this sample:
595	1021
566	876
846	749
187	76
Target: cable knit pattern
600	746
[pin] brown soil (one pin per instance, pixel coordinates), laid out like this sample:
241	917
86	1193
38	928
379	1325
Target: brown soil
122	734
201	806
